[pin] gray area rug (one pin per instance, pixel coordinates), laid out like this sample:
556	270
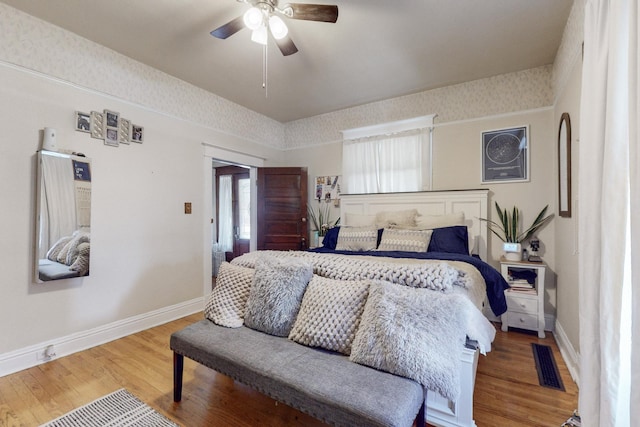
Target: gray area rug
119	408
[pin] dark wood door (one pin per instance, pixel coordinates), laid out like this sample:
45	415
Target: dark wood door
282	209
240	205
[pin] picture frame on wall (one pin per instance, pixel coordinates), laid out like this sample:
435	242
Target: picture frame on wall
83	122
111	137
505	155
125	131
97	125
111	119
137	134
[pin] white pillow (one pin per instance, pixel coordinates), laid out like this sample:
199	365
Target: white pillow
397	239
227	303
405	218
437	221
359	220
357	239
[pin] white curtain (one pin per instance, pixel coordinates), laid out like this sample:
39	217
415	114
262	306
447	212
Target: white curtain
384	164
57	200
225	214
609	199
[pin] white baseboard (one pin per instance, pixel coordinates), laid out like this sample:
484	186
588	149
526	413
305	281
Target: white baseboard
28	357
569	354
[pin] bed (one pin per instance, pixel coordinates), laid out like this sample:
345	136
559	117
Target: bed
390	244
451	211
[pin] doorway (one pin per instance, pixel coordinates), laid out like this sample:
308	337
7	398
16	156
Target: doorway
233	210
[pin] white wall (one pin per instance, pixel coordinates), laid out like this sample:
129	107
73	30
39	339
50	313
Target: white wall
146	253
147	258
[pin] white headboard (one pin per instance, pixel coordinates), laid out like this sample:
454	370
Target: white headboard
474	204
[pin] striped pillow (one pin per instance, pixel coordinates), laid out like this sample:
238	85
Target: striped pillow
405	240
357	239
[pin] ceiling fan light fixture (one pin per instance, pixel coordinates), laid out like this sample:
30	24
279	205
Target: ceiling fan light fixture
278	27
253	18
259	35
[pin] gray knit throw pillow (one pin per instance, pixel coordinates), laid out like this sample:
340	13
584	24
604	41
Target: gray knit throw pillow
414	333
276	294
330	313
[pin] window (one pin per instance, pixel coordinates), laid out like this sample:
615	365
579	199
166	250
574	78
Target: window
392	157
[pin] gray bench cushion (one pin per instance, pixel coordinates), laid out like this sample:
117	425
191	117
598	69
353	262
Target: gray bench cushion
323	384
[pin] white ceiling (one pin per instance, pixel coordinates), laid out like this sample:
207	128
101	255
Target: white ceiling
378	49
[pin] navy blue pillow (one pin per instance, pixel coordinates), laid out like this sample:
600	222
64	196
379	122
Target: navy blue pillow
450	239
331	238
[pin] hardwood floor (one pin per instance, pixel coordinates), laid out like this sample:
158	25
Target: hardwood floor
507	391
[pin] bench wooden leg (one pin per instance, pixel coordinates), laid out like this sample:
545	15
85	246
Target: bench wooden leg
421	418
178	365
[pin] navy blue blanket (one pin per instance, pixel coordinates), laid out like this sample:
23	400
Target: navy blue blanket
496	284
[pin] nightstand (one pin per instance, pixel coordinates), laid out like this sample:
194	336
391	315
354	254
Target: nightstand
525	297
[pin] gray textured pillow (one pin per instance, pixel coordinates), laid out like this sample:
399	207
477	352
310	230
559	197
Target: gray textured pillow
394	239
330	313
276	293
228	300
52	253
415	333
357	239
81	261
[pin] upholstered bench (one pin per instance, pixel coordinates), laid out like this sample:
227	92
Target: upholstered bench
321	383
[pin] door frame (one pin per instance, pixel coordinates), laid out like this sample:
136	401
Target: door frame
211	152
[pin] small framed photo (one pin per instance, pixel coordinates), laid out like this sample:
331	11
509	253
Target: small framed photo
111	137
125	131
111	119
83	122
97	125
137	133
505	155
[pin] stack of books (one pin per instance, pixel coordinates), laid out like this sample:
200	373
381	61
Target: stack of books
521	285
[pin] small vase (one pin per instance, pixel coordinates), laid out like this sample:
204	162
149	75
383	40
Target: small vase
512	251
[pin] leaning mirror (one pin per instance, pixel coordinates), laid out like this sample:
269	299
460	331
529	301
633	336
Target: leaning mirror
564	166
63	229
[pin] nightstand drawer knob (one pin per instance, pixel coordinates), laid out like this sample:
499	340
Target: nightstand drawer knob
523	305
522	320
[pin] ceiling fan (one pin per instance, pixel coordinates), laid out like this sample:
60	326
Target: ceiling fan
265	14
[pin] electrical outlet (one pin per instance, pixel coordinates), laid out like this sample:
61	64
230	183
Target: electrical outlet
187	207
47	353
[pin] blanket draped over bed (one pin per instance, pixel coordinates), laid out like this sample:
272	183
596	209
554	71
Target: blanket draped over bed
495	283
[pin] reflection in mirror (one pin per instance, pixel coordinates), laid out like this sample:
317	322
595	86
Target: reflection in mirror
64	216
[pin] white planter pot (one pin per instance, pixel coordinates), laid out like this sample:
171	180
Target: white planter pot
512	251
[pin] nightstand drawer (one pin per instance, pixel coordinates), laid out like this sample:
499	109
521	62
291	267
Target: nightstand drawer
522	320
522	304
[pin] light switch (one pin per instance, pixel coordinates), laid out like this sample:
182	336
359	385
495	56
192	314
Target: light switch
187	207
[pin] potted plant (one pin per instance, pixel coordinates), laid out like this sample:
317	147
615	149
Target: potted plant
507	230
320	221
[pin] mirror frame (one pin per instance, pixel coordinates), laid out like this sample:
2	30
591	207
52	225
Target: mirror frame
564	166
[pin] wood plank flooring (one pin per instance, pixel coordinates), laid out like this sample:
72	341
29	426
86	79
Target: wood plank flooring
507	391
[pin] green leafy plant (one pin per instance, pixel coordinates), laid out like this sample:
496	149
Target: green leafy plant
320	219
509	224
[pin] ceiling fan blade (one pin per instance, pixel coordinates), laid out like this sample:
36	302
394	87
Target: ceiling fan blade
314	12
229	29
286	45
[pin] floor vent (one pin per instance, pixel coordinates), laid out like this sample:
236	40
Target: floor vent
548	374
